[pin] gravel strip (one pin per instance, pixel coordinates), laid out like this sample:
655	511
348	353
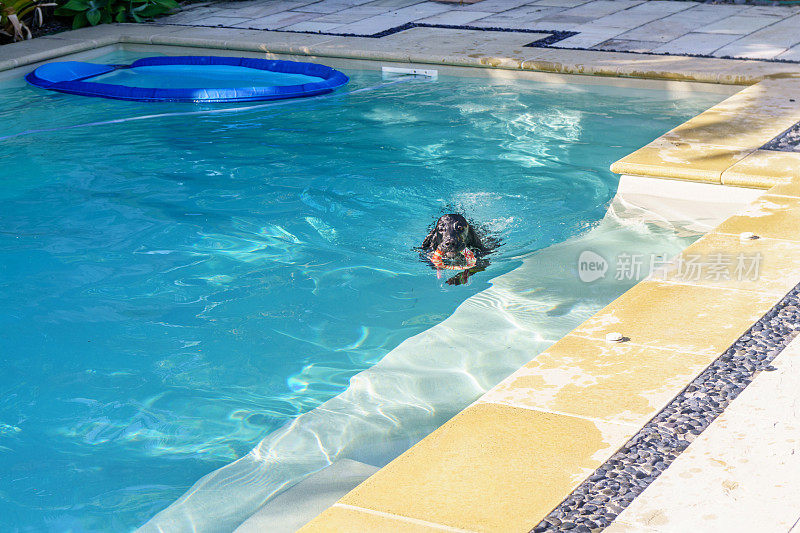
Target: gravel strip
788	141
611	488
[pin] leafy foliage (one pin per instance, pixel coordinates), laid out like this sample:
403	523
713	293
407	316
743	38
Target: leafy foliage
94	12
16	17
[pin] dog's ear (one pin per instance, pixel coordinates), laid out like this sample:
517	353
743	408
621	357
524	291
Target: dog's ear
472	240
431	241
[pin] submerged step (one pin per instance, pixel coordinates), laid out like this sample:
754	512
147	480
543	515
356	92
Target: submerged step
292	509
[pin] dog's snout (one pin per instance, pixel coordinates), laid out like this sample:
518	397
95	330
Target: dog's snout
451	244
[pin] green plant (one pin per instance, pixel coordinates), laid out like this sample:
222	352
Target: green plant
16	17
94	12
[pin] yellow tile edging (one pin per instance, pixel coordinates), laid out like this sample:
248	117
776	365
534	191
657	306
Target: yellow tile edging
763	169
681	160
340	518
722	145
491	468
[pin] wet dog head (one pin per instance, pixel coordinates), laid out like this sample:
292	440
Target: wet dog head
451	234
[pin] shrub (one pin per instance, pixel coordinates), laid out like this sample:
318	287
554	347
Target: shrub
94	12
16	17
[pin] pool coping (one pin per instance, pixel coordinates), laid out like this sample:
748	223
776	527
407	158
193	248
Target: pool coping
442	482
508	53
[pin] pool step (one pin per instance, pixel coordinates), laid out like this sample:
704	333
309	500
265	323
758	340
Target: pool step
292	509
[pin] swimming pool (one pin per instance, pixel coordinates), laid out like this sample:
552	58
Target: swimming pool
178	287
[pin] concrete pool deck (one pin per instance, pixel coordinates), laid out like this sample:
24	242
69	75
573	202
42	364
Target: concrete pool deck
508	460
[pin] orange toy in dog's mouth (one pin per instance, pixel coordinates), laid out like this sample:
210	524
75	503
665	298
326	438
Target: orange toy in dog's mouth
438	261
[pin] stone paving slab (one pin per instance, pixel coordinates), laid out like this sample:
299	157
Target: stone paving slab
645	27
636	16
792	54
766	43
679	24
742	24
587	39
456	17
623	45
695	43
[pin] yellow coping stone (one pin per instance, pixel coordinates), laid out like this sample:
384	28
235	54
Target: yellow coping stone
44	48
615	382
760	265
339	519
690	318
679	160
491	468
722	144
788	189
764	169
771	216
736	129
771	97
606	63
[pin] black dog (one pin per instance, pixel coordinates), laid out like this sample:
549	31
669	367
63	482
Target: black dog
451	235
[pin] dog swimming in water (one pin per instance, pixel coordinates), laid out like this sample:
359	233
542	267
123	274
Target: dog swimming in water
453	244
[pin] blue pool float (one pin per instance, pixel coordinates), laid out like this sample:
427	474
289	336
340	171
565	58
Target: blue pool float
73	77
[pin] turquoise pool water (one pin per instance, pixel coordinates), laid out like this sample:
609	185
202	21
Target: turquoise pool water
179	282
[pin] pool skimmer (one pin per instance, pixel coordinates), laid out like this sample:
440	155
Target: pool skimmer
395	72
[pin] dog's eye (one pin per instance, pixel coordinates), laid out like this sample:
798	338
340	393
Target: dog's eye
459	227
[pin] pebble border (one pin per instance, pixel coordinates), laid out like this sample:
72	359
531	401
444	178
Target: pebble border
596	502
788	141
